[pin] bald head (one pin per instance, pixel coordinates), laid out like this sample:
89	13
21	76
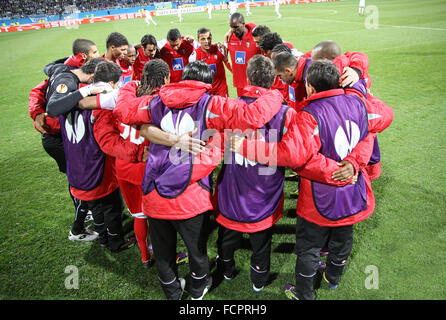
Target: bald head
237	24
326	50
237	17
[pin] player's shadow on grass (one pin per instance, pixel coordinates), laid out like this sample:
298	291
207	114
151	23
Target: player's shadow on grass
280	228
125	264
290	213
284	247
218	278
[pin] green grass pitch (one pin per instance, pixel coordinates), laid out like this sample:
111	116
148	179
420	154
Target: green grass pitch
404	240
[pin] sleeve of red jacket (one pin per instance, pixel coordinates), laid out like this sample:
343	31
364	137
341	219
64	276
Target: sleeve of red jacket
380	115
227	113
298	149
358	60
37	100
317	167
110	141
131	109
359	157
205	162
251	25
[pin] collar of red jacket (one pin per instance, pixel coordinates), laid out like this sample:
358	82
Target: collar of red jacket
253	91
183	94
75	61
324	94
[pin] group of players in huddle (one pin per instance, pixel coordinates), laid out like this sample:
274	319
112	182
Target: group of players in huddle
150	123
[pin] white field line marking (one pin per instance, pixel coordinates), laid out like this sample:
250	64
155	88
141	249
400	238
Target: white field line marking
380	25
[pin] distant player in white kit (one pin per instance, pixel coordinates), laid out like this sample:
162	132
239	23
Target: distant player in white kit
180	13
248	7
277	7
361	7
232	7
210	7
149	18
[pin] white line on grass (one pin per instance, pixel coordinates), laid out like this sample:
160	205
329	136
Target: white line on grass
380	25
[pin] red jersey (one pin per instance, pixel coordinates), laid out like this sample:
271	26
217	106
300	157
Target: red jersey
127	73
140	62
129	171
214	58
241	51
176	60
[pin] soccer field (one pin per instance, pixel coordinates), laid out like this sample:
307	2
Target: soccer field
398	253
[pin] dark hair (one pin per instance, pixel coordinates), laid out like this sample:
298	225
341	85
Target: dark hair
269	41
323	75
284	60
260	71
198	70
260	31
90	66
82	45
278	48
116	39
202	30
148	39
326	50
107	71
173	34
152	77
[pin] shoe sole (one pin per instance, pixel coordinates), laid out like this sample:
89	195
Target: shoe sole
81	240
205	290
201	297
182	286
84	239
227	278
331	286
255	289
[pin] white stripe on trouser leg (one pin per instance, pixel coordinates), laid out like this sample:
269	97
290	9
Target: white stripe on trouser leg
307	276
167	283
197	278
78	206
339	264
224	260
